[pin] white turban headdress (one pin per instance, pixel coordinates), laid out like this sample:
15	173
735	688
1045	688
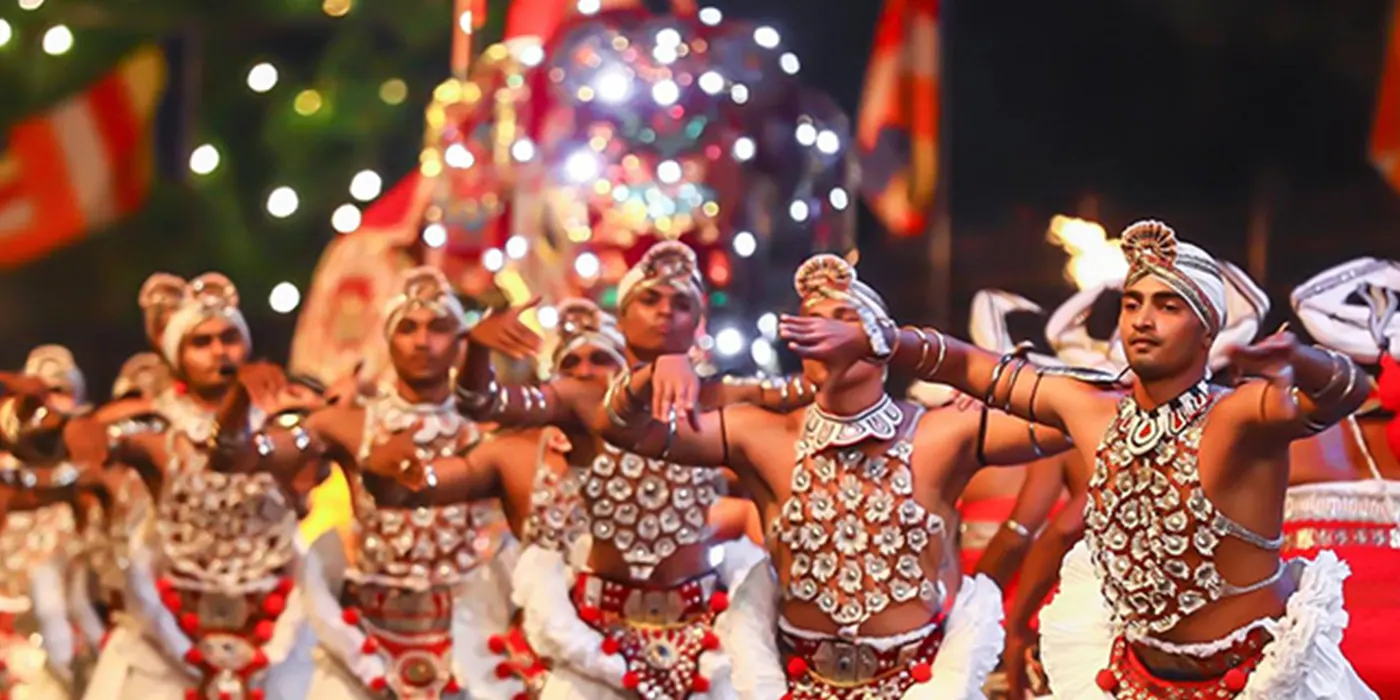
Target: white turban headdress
1352	308
667	263
174	307
54	365
427	288
1153	249
581	322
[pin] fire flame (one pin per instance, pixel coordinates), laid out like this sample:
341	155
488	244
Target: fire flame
1093	258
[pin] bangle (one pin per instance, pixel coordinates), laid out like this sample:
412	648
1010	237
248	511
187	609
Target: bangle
923	350
1016	527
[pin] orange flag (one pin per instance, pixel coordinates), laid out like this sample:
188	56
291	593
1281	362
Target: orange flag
84	163
897	126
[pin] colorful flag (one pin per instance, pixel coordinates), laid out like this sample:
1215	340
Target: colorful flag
897	128
82	164
1385	132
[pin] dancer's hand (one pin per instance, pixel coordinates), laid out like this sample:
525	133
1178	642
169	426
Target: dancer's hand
504	332
1270	358
675	390
396	457
837	344
265	385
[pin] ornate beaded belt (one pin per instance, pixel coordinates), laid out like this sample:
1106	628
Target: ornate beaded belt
411	631
1127	677
660	632
835	669
227	632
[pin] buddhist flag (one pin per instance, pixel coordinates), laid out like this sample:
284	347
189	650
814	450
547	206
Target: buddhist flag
1385	132
84	163
897	127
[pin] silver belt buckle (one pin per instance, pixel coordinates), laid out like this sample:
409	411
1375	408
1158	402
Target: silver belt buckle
846	663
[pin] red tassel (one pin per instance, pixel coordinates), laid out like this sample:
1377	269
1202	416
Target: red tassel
611	646
378	684
274	604
719	602
710	641
164	585
181	388
497	644
257	694
225	695
452	685
700	684
1235	680
369	646
504	671
630	680
191	694
171	600
1106	681
350	616
259	660
589	614
797	666
263	631
194	656
285	585
189	622
521	696
921	672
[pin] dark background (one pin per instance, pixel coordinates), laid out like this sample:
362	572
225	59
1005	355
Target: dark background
1211	116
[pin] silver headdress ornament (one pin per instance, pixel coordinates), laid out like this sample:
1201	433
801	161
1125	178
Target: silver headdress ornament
174	307
1152	248
144	374
827	276
667	263
426	288
55	366
581	322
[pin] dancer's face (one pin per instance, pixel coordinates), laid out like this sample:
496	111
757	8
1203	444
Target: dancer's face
660	320
1162	336
211	353
820	373
424	346
589	362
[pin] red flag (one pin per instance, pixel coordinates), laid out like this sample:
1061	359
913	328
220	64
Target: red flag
1385	132
897	129
84	163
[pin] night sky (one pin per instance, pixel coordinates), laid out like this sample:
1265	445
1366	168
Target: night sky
1192	111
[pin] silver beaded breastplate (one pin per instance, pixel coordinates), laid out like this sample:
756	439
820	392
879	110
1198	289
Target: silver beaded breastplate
855	533
413	547
228	531
557	517
30	538
1150	527
648	508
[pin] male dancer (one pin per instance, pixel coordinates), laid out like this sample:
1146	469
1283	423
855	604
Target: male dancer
38	493
1169	596
855	492
409	607
650	581
1344	491
209	579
